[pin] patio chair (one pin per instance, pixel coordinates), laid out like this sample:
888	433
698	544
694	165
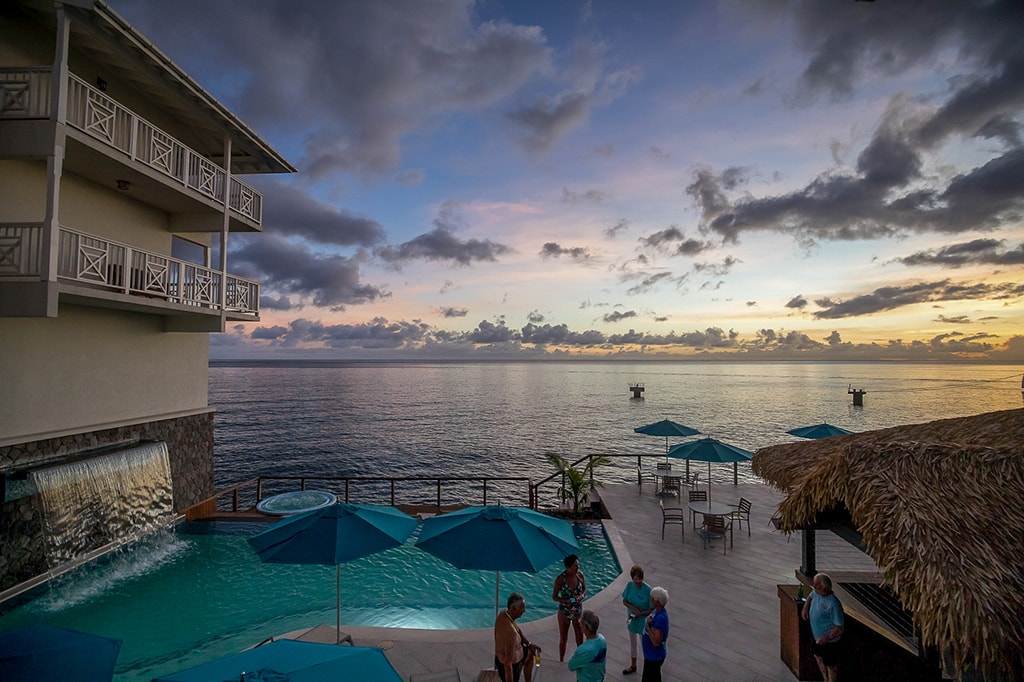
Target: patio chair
697	496
641	477
742	514
672	515
716	527
671	485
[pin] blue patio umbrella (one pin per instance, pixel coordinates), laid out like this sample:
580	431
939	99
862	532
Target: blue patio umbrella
709	450
668	429
332	535
498	539
293	661
822	430
45	652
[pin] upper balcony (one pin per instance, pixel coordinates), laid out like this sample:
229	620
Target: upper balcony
110	144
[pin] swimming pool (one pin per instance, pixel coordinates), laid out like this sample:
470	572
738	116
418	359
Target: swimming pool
177	599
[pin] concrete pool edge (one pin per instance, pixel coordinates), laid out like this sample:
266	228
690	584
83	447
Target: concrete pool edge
611	593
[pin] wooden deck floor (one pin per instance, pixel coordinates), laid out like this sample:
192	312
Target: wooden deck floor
724	608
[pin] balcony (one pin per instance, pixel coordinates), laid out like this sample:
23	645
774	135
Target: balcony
25	96
105	272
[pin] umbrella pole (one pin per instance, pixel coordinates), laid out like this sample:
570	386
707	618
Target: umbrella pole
709	481
337	592
497	582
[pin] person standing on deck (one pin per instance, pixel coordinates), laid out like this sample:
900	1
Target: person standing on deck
825	614
588	661
512	651
570	590
636	597
655	636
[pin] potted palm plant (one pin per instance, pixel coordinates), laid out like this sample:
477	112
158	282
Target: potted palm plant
577	484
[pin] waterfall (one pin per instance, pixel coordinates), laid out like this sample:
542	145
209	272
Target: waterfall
104	501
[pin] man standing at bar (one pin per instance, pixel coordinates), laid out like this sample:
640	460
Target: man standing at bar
825	614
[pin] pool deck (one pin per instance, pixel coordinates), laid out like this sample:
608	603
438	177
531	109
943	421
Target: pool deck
724	608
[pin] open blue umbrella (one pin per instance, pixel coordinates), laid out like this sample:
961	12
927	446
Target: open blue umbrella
668	429
293	661
822	430
709	450
498	539
45	652
332	535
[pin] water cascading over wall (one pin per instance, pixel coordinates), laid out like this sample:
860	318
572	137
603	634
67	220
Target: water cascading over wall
105	501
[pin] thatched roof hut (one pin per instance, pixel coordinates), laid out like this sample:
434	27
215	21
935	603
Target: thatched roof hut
940	507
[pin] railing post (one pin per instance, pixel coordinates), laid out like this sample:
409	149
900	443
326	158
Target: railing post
302	483
346	490
485	492
392	492
439	495
259	488
234	500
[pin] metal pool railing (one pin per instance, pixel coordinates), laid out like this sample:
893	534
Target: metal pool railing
413	493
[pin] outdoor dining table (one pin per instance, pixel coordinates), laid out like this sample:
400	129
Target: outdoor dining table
708	508
712	508
665	473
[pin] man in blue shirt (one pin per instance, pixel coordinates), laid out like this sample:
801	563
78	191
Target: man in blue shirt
655	636
825	614
589	659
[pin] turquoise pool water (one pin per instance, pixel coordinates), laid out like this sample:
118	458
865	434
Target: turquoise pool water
178	600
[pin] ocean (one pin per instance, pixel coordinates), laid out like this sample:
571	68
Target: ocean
474	419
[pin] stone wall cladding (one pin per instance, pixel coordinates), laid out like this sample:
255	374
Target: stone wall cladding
190	448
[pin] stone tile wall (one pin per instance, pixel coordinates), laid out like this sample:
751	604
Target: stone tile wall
189	444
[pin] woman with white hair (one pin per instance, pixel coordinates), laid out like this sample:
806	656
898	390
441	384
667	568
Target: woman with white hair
655	636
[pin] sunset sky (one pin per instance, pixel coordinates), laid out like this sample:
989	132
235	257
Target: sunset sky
818	179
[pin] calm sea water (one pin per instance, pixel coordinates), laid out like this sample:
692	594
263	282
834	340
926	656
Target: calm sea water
500	418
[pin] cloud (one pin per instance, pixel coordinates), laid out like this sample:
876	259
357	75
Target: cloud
614	231
889	193
535	317
595	196
290	211
892	297
797	301
579	254
616	316
675	242
975	252
448	312
547	120
286	268
489	332
441	244
367	75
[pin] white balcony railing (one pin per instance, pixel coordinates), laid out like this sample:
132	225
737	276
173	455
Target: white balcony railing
119	267
25	94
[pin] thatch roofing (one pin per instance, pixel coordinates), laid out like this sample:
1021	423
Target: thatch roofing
941	509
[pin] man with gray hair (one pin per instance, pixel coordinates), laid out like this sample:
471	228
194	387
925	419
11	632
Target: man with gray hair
589	658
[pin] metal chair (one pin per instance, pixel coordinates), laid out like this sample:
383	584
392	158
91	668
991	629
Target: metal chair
697	496
671	485
716	527
742	514
672	515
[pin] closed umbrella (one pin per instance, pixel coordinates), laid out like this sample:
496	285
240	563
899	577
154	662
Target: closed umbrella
498	539
291	661
822	430
709	450
332	535
45	652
